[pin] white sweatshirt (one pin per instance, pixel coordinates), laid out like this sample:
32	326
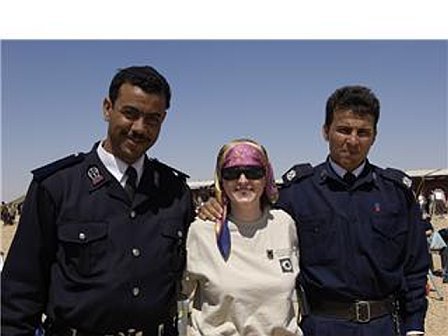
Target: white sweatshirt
253	292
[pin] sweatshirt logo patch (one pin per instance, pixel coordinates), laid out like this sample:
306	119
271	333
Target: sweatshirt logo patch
286	265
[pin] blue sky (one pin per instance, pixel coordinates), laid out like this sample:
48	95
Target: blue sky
271	90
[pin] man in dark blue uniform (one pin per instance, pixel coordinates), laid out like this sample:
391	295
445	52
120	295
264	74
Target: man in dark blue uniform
363	247
100	244
364	258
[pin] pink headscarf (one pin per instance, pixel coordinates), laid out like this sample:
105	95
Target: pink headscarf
240	153
245	153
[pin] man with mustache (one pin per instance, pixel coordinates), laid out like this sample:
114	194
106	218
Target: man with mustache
100	246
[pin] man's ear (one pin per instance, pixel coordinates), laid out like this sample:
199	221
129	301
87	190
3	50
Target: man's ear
374	137
325	132
107	108
164	116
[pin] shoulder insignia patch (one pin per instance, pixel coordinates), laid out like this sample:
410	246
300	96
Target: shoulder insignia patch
164	166
407	181
41	173
297	172
398	176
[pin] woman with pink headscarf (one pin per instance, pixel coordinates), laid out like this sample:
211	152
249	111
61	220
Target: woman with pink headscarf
241	270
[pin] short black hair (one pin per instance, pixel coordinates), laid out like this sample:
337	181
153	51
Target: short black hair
359	99
145	77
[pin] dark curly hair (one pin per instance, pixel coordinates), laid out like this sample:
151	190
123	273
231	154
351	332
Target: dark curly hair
145	77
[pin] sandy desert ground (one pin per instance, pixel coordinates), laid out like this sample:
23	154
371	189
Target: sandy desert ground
437	317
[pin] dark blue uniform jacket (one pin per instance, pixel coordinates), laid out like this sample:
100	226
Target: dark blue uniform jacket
85	255
360	242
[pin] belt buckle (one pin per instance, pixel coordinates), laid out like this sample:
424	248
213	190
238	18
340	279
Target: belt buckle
131	332
362	311
160	330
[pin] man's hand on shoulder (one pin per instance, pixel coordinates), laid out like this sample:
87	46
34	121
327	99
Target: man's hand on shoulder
210	210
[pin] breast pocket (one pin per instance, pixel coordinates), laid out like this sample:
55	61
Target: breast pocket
317	235
174	238
389	237
84	247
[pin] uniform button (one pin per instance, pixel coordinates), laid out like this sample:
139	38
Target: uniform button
135	252
133	214
135	291
82	236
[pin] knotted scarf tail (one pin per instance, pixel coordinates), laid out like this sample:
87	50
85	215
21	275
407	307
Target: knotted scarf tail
223	240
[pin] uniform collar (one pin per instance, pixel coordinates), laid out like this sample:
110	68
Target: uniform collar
330	170
117	167
341	171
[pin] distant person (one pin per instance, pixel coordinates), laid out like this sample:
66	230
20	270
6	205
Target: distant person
4	213
444	254
439	201
12	215
242	269
100	245
19	208
363	252
7	214
423	204
429	232
432	204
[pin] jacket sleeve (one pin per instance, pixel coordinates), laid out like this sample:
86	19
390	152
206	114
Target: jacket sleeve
25	277
413	299
189	280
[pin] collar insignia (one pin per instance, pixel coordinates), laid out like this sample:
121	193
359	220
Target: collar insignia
94	175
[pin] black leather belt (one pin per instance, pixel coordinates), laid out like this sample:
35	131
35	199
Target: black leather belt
163	329
66	331
359	311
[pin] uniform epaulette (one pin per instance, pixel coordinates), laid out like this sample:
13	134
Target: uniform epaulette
297	173
176	172
398	177
41	173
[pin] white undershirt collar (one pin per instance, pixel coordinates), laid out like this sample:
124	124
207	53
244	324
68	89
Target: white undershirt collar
341	171
117	167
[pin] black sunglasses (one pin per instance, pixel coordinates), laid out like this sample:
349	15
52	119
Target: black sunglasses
251	172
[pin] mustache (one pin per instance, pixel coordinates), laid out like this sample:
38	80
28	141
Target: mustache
137	137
